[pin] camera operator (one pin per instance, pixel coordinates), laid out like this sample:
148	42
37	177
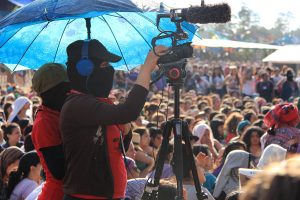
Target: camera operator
91	125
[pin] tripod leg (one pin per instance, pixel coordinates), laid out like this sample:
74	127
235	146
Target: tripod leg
185	132
177	130
151	188
162	154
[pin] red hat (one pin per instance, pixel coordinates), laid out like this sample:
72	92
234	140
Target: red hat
282	114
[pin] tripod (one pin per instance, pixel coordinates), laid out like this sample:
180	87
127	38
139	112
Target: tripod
180	131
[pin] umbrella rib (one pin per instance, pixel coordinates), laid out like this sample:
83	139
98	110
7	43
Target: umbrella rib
60	40
116	41
147	18
10	38
30	45
135	29
69	22
192	31
112	15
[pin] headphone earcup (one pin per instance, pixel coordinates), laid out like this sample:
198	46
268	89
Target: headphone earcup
85	67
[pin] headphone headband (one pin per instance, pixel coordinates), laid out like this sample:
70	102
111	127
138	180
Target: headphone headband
85	50
85	66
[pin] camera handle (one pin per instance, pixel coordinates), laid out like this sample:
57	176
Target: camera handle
175	36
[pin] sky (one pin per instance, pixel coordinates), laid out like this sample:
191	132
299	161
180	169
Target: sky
267	10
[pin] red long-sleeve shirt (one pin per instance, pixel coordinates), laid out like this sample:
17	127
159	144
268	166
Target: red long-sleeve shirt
45	134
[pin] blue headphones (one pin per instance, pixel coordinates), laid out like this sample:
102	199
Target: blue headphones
85	66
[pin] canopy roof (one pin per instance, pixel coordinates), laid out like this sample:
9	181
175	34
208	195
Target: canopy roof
289	54
231	44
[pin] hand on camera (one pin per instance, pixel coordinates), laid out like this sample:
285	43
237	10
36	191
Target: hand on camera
151	60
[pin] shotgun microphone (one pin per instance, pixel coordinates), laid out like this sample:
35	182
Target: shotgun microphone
219	13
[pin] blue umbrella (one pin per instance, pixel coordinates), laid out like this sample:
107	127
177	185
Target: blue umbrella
41	31
21	2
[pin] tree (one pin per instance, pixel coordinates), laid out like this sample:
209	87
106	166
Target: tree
247	19
244	27
296	33
281	26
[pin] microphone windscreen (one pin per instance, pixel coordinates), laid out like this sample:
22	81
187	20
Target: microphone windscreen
220	13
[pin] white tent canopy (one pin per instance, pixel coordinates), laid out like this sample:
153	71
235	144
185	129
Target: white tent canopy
231	44
13	66
289	54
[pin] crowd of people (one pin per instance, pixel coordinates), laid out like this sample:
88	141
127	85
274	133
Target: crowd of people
82	135
238	80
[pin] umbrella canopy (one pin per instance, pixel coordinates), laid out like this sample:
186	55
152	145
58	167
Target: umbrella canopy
41	31
287	54
21	2
231	44
6	7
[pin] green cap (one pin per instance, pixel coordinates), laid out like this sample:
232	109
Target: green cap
48	76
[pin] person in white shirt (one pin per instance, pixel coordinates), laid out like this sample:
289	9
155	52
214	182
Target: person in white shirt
248	83
217	81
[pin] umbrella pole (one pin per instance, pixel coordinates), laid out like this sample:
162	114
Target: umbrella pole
88	27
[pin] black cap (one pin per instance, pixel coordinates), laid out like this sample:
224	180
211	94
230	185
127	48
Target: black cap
96	51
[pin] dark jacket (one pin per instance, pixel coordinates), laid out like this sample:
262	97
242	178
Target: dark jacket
289	89
88	162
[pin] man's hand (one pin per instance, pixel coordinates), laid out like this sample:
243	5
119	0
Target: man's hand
151	60
144	76
127	128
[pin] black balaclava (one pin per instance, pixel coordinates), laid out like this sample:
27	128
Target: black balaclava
289	76
56	96
100	82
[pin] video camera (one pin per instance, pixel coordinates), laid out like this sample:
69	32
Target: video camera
173	63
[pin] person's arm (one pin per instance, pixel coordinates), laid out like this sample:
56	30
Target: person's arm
227	80
144	76
217	144
127	140
90	111
214	152
201	176
54	158
273	91
144	158
93	112
242	82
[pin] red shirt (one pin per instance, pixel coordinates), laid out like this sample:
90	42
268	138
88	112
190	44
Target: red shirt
229	137
46	133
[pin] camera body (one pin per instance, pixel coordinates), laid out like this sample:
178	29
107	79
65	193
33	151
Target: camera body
173	63
177	53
